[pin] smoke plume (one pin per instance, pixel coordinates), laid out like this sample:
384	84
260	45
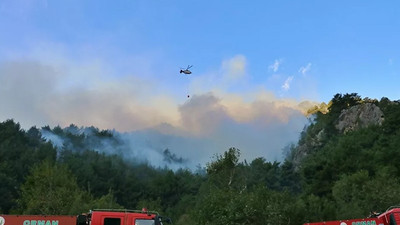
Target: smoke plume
149	116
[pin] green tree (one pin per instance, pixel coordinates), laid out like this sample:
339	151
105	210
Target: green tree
222	193
223	172
266	206
221	206
19	150
349	195
360	193
150	204
107	201
315	208
51	189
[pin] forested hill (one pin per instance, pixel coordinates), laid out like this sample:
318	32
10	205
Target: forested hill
345	164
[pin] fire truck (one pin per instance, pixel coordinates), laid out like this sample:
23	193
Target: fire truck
94	217
390	217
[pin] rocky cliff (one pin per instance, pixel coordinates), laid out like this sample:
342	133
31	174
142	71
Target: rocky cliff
359	116
351	119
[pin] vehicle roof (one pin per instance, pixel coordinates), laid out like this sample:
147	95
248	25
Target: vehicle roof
122	212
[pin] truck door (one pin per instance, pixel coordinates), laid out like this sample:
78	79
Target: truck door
395	218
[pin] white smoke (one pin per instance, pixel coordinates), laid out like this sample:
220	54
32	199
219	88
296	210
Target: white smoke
148	112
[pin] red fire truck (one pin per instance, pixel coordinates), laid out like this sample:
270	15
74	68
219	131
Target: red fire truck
94	217
390	217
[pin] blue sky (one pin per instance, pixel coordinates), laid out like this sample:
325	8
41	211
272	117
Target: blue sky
352	46
120	60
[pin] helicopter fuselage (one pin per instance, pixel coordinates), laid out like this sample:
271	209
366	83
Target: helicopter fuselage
185	71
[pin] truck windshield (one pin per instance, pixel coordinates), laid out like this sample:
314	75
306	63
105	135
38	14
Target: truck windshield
144	222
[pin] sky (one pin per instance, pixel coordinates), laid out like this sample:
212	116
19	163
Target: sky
257	66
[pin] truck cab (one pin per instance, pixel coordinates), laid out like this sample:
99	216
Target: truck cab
390	217
121	217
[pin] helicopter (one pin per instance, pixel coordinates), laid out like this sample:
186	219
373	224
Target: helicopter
186	71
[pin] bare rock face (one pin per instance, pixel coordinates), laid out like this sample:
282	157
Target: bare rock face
356	117
359	116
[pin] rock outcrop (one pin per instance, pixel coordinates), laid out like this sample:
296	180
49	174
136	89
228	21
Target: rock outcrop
351	119
359	116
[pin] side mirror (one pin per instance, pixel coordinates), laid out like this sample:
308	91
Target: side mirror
167	220
81	220
160	220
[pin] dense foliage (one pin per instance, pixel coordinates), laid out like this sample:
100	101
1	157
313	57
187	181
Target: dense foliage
345	175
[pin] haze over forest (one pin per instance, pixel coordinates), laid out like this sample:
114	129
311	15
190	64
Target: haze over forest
347	153
288	102
115	66
195	129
